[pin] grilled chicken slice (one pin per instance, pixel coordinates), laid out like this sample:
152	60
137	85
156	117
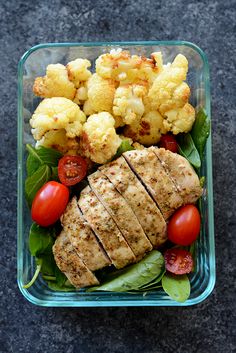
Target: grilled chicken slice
82	237
121	213
71	264
105	228
182	173
149	169
145	209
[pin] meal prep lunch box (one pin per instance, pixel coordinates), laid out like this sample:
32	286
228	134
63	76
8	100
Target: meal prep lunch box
33	64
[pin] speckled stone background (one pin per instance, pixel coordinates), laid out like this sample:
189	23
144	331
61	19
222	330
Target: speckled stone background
208	327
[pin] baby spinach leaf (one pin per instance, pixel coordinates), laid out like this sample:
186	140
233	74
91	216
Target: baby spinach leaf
134	276
177	287
48	265
40	156
200	131
188	149
124	146
60	277
67	287
155	282
40	240
54	175
34	182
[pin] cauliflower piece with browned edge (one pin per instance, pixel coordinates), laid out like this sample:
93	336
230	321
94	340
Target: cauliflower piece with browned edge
99	140
169	91
58	140
128	103
100	95
78	71
148	131
180	120
57	113
55	84
125	68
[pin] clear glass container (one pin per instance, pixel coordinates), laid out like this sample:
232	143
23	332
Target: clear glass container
33	64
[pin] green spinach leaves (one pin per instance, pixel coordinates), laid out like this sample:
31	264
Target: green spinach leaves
201	131
124	146
134	277
188	150
41	241
41	166
177	287
192	145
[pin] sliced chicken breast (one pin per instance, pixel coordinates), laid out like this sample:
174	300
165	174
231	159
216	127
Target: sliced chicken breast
182	173
121	213
71	264
149	169
82	237
106	229
145	209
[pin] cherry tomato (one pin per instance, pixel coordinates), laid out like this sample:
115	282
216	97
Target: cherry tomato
168	142
178	261
71	170
184	226
49	203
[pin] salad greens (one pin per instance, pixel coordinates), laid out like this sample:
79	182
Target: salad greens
201	131
34	182
177	287
124	147
40	156
41	166
188	149
41	241
192	145
134	277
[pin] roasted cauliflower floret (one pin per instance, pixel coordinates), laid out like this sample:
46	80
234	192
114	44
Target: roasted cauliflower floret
100	95
122	67
57	113
128	103
99	140
55	84
58	140
180	120
168	90
148	131
78	71
81	94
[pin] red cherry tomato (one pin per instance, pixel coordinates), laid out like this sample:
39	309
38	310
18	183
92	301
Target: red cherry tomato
184	226
168	142
178	261
71	170
49	203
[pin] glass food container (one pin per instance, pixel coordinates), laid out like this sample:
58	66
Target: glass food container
33	64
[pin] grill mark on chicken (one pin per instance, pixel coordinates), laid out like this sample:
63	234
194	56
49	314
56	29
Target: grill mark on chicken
121	213
182	174
71	264
82	237
106	229
148	168
145	209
